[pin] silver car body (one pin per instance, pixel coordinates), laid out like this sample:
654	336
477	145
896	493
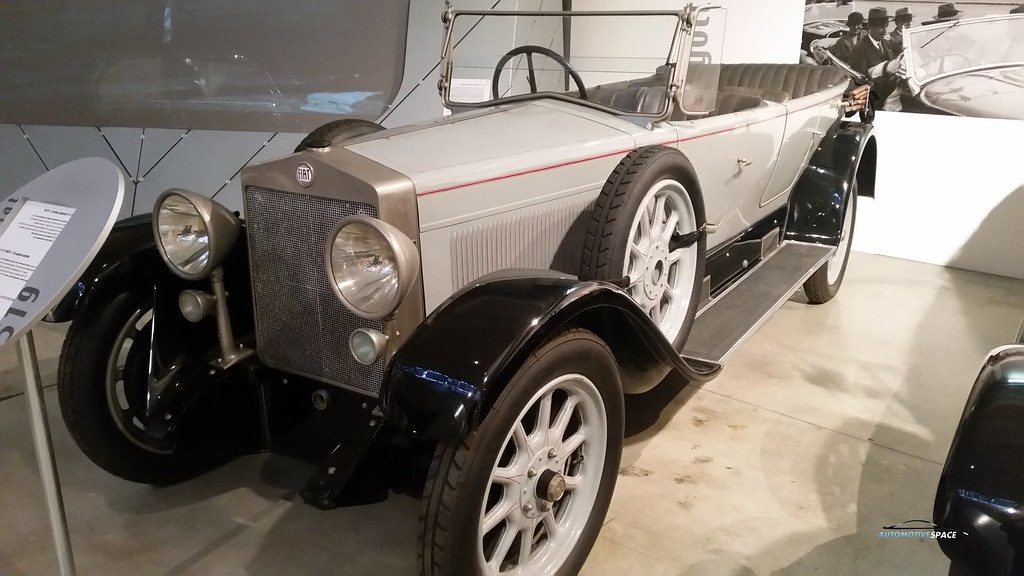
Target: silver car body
510	186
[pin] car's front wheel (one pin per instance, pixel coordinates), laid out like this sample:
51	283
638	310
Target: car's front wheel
102	387
527	491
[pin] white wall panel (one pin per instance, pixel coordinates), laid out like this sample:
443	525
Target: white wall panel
758	30
19	165
279	145
950	191
202	162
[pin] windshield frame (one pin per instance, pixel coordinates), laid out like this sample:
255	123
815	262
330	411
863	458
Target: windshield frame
678	52
911	48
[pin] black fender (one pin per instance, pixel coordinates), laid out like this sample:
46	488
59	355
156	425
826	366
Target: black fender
981	490
445	378
848	154
129	258
128	250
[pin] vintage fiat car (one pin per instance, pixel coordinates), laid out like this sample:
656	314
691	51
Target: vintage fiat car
480	290
972	67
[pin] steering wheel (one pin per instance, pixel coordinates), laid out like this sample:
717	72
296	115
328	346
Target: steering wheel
529	50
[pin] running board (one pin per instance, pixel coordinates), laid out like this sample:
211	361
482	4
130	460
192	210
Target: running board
734	316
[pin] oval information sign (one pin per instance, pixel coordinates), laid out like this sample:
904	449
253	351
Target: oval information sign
50	230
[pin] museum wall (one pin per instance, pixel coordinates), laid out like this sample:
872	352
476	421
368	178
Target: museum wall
947	189
950	191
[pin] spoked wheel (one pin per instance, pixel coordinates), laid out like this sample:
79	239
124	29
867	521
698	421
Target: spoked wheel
527	491
102	386
646	212
661	277
127	373
825	283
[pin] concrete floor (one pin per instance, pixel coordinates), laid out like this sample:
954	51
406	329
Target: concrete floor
830	423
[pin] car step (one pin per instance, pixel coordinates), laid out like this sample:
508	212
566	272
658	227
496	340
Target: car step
734	316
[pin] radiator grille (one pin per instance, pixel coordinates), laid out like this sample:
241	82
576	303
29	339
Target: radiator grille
301	326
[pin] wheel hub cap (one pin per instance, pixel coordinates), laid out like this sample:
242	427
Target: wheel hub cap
543	484
551	486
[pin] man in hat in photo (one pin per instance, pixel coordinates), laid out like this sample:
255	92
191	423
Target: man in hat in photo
843	48
903	20
947	13
873	56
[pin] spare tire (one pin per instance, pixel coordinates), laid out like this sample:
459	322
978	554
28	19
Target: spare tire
336	132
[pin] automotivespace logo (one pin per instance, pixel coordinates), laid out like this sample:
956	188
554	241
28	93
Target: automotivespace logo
914	529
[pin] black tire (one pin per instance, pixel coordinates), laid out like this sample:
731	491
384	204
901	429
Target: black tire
817	288
605	246
461	468
82	393
336	132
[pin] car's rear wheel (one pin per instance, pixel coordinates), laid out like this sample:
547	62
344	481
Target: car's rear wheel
650	201
526	492
825	283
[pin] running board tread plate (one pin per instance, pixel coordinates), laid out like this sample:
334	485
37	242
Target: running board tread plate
736	315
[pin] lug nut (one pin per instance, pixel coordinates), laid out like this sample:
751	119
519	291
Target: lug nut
532	472
552	454
527	507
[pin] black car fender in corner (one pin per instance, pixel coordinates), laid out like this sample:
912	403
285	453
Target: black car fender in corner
445	378
847	155
981	494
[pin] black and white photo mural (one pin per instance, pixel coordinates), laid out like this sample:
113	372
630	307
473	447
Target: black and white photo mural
960	59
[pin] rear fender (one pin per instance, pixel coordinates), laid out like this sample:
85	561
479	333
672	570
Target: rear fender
847	155
448	374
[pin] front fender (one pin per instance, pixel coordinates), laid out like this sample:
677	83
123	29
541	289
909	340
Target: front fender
129	247
981	491
847	155
445	378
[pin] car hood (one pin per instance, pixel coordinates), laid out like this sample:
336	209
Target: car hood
996	93
493	143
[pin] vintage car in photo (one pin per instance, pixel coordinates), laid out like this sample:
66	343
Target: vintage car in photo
819	36
971	67
981	492
461	305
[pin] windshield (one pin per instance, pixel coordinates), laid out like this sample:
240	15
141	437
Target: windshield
622	62
965	44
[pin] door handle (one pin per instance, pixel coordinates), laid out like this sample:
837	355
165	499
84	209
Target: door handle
744	163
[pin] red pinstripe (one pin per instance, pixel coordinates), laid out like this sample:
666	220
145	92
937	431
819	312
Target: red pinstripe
609	154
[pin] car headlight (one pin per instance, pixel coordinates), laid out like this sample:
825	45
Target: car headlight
193	233
371	265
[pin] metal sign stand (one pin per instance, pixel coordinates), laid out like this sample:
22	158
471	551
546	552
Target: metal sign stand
50	231
44	454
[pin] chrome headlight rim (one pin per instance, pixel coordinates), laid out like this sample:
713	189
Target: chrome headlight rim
222	229
406	260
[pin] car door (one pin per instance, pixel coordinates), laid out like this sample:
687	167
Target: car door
802	133
733	155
